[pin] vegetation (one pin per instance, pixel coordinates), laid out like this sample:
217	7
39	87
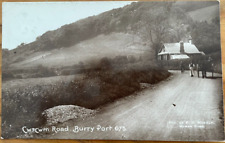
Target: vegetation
206	36
103	83
195	5
37	72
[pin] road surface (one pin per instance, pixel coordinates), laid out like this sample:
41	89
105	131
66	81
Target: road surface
180	108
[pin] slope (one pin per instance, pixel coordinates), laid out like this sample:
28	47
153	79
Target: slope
111	45
209	13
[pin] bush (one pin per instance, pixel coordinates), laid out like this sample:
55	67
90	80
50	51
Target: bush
120	60
19	76
44	72
66	72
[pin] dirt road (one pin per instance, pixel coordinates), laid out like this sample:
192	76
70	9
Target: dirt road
181	108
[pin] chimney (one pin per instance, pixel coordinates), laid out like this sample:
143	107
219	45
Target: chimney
190	40
181	47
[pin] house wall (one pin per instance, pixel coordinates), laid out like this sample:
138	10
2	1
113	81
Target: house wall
167	56
194	55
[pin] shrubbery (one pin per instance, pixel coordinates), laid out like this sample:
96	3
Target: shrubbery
42	71
37	72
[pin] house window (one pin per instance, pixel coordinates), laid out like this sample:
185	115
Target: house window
164	57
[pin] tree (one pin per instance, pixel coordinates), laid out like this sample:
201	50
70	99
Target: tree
156	26
165	23
206	36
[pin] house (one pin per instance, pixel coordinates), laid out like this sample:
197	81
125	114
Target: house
181	50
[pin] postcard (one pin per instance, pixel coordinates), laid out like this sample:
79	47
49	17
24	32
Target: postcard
112	70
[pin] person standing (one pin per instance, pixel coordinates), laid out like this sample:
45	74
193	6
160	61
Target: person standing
203	67
197	68
191	67
181	66
212	68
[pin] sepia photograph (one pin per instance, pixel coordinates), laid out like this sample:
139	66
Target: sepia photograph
112	70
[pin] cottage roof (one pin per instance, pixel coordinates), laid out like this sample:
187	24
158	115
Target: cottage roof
174	48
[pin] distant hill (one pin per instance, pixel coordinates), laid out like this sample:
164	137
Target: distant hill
210	13
200	10
189	6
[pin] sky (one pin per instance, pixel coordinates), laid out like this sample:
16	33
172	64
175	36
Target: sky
22	22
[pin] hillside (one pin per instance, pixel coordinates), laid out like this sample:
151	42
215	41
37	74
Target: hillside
131	18
210	12
189	6
111	45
